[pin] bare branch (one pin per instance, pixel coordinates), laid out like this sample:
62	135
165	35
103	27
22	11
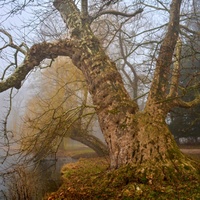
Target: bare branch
156	7
11	44
189	30
134	83
184	104
114	12
160	2
36	54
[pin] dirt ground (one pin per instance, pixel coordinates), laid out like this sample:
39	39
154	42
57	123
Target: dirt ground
192	151
85	152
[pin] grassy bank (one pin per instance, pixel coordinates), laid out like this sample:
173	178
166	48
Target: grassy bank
90	179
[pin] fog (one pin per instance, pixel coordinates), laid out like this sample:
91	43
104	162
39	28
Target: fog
13	107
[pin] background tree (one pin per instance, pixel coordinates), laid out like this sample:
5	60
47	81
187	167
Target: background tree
62	110
188	117
189	76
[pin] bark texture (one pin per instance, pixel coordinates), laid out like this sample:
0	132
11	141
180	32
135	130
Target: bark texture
114	107
153	142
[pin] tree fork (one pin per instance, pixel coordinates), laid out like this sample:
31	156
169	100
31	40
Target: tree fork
132	137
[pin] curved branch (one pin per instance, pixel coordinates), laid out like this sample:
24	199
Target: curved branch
114	12
185	104
91	141
36	54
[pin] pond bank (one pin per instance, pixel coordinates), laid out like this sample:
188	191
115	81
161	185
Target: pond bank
89	179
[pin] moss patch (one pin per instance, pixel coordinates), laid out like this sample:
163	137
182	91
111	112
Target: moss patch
90	179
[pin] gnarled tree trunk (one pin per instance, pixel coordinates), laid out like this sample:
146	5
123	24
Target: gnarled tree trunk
132	136
114	107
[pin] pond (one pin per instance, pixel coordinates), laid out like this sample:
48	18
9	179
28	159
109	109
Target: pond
33	181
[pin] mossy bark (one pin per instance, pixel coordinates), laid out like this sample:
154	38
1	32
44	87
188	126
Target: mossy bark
114	107
131	136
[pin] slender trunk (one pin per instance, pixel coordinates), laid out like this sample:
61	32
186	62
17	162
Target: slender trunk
84	8
160	83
